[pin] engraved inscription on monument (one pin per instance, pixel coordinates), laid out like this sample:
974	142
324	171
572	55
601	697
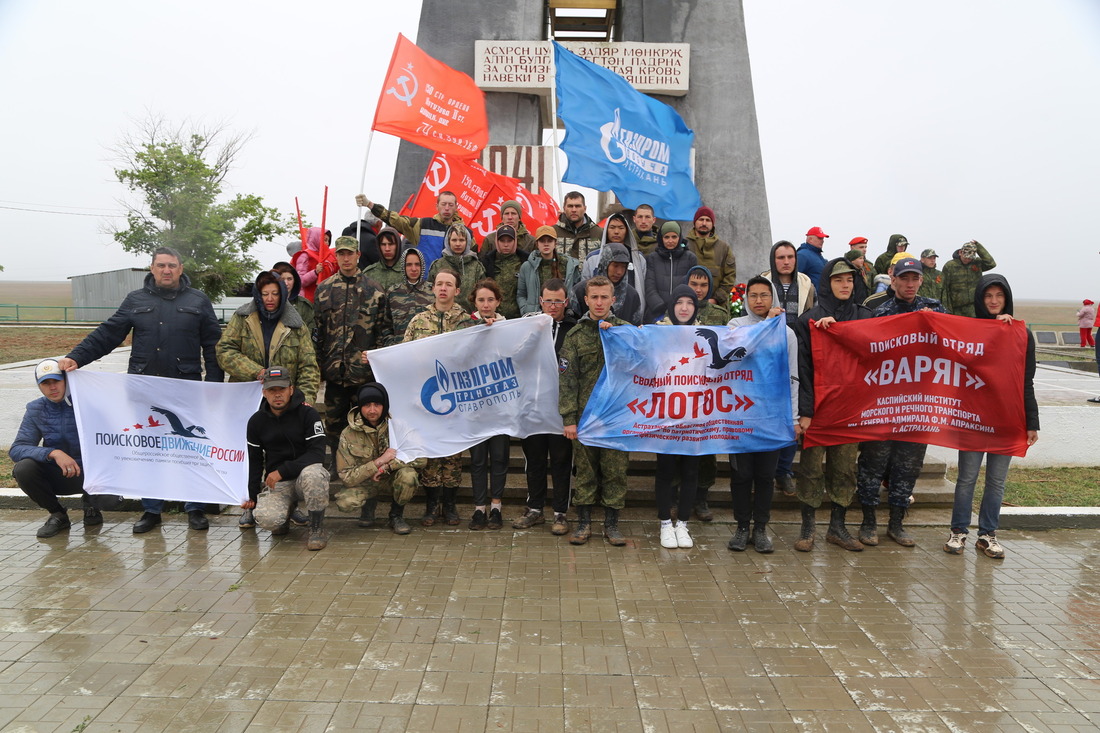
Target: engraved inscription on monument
526	66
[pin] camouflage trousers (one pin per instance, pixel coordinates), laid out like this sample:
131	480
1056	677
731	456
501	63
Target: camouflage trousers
338	399
827	471
401	485
310	488
897	460
601	476
446	472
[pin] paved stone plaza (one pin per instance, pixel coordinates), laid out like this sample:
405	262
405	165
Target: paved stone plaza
452	630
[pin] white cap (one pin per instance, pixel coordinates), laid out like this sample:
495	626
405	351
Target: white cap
47	369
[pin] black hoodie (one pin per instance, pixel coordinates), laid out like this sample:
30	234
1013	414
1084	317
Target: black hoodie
827	306
1031	406
286	443
681	291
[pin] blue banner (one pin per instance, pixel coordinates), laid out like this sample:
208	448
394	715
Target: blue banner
692	390
620	139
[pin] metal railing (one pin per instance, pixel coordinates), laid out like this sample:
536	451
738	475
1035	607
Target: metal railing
17	312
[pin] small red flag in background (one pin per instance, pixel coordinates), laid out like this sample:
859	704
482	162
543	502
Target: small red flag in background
430	104
923	378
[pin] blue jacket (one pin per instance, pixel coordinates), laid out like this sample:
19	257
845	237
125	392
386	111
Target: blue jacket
174	333
811	262
51	424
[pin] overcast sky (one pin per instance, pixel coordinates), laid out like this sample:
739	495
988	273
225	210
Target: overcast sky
945	120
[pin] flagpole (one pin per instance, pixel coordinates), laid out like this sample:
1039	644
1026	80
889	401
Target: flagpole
554	116
362	185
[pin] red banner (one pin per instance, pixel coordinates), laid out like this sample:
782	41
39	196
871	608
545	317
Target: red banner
923	378
430	104
480	192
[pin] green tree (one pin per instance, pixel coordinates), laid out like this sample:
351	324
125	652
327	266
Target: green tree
178	174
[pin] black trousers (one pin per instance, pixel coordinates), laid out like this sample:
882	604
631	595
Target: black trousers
44	482
489	468
536	448
686	468
752	477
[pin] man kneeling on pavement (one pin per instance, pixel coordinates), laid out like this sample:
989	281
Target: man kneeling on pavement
286	444
368	465
52	469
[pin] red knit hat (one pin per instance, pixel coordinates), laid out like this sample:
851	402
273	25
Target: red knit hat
816	232
704	211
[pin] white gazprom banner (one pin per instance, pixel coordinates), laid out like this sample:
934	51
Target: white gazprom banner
452	391
163	438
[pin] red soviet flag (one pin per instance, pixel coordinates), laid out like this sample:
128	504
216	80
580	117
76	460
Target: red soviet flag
466	179
430	104
921	377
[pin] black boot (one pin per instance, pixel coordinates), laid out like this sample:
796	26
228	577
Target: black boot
760	539
838	533
611	527
366	514
740	538
317	539
895	531
450	506
92	516
431	505
583	530
868	529
702	510
805	541
397	519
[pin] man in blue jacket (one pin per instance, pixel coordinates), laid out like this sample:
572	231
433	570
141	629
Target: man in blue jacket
46	452
175	332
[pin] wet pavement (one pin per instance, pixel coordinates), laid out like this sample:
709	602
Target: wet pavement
452	630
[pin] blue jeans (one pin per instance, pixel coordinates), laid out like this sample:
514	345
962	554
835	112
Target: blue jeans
785	467
996	471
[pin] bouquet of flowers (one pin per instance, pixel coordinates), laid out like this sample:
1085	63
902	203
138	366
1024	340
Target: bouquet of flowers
737	300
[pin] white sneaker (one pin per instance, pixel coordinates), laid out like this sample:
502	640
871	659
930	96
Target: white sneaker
668	537
987	543
683	539
955	543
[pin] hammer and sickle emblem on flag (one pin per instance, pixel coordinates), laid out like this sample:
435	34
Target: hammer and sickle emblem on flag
439	174
407	91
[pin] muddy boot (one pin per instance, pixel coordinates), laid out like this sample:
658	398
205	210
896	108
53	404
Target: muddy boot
702	510
740	539
838	533
805	541
450	506
317	539
366	514
397	519
868	529
611	527
583	529
760	539
431	505
895	531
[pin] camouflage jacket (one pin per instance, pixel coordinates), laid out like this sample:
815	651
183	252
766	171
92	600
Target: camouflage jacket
579	365
712	314
932	285
359	445
469	269
349	321
387	276
960	281
403	301
505	270
241	349
431	322
647	242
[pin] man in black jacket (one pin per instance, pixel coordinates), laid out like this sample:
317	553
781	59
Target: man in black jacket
175	332
286	444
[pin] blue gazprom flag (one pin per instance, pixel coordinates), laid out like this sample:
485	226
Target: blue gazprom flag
692	390
619	139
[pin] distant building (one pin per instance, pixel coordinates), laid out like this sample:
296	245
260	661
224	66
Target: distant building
97	295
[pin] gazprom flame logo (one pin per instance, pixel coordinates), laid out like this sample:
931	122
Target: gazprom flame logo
469	390
436	395
619	145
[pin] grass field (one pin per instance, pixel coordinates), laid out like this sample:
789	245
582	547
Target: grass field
36	293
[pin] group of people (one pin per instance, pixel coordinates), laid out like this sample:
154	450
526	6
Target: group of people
316	319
